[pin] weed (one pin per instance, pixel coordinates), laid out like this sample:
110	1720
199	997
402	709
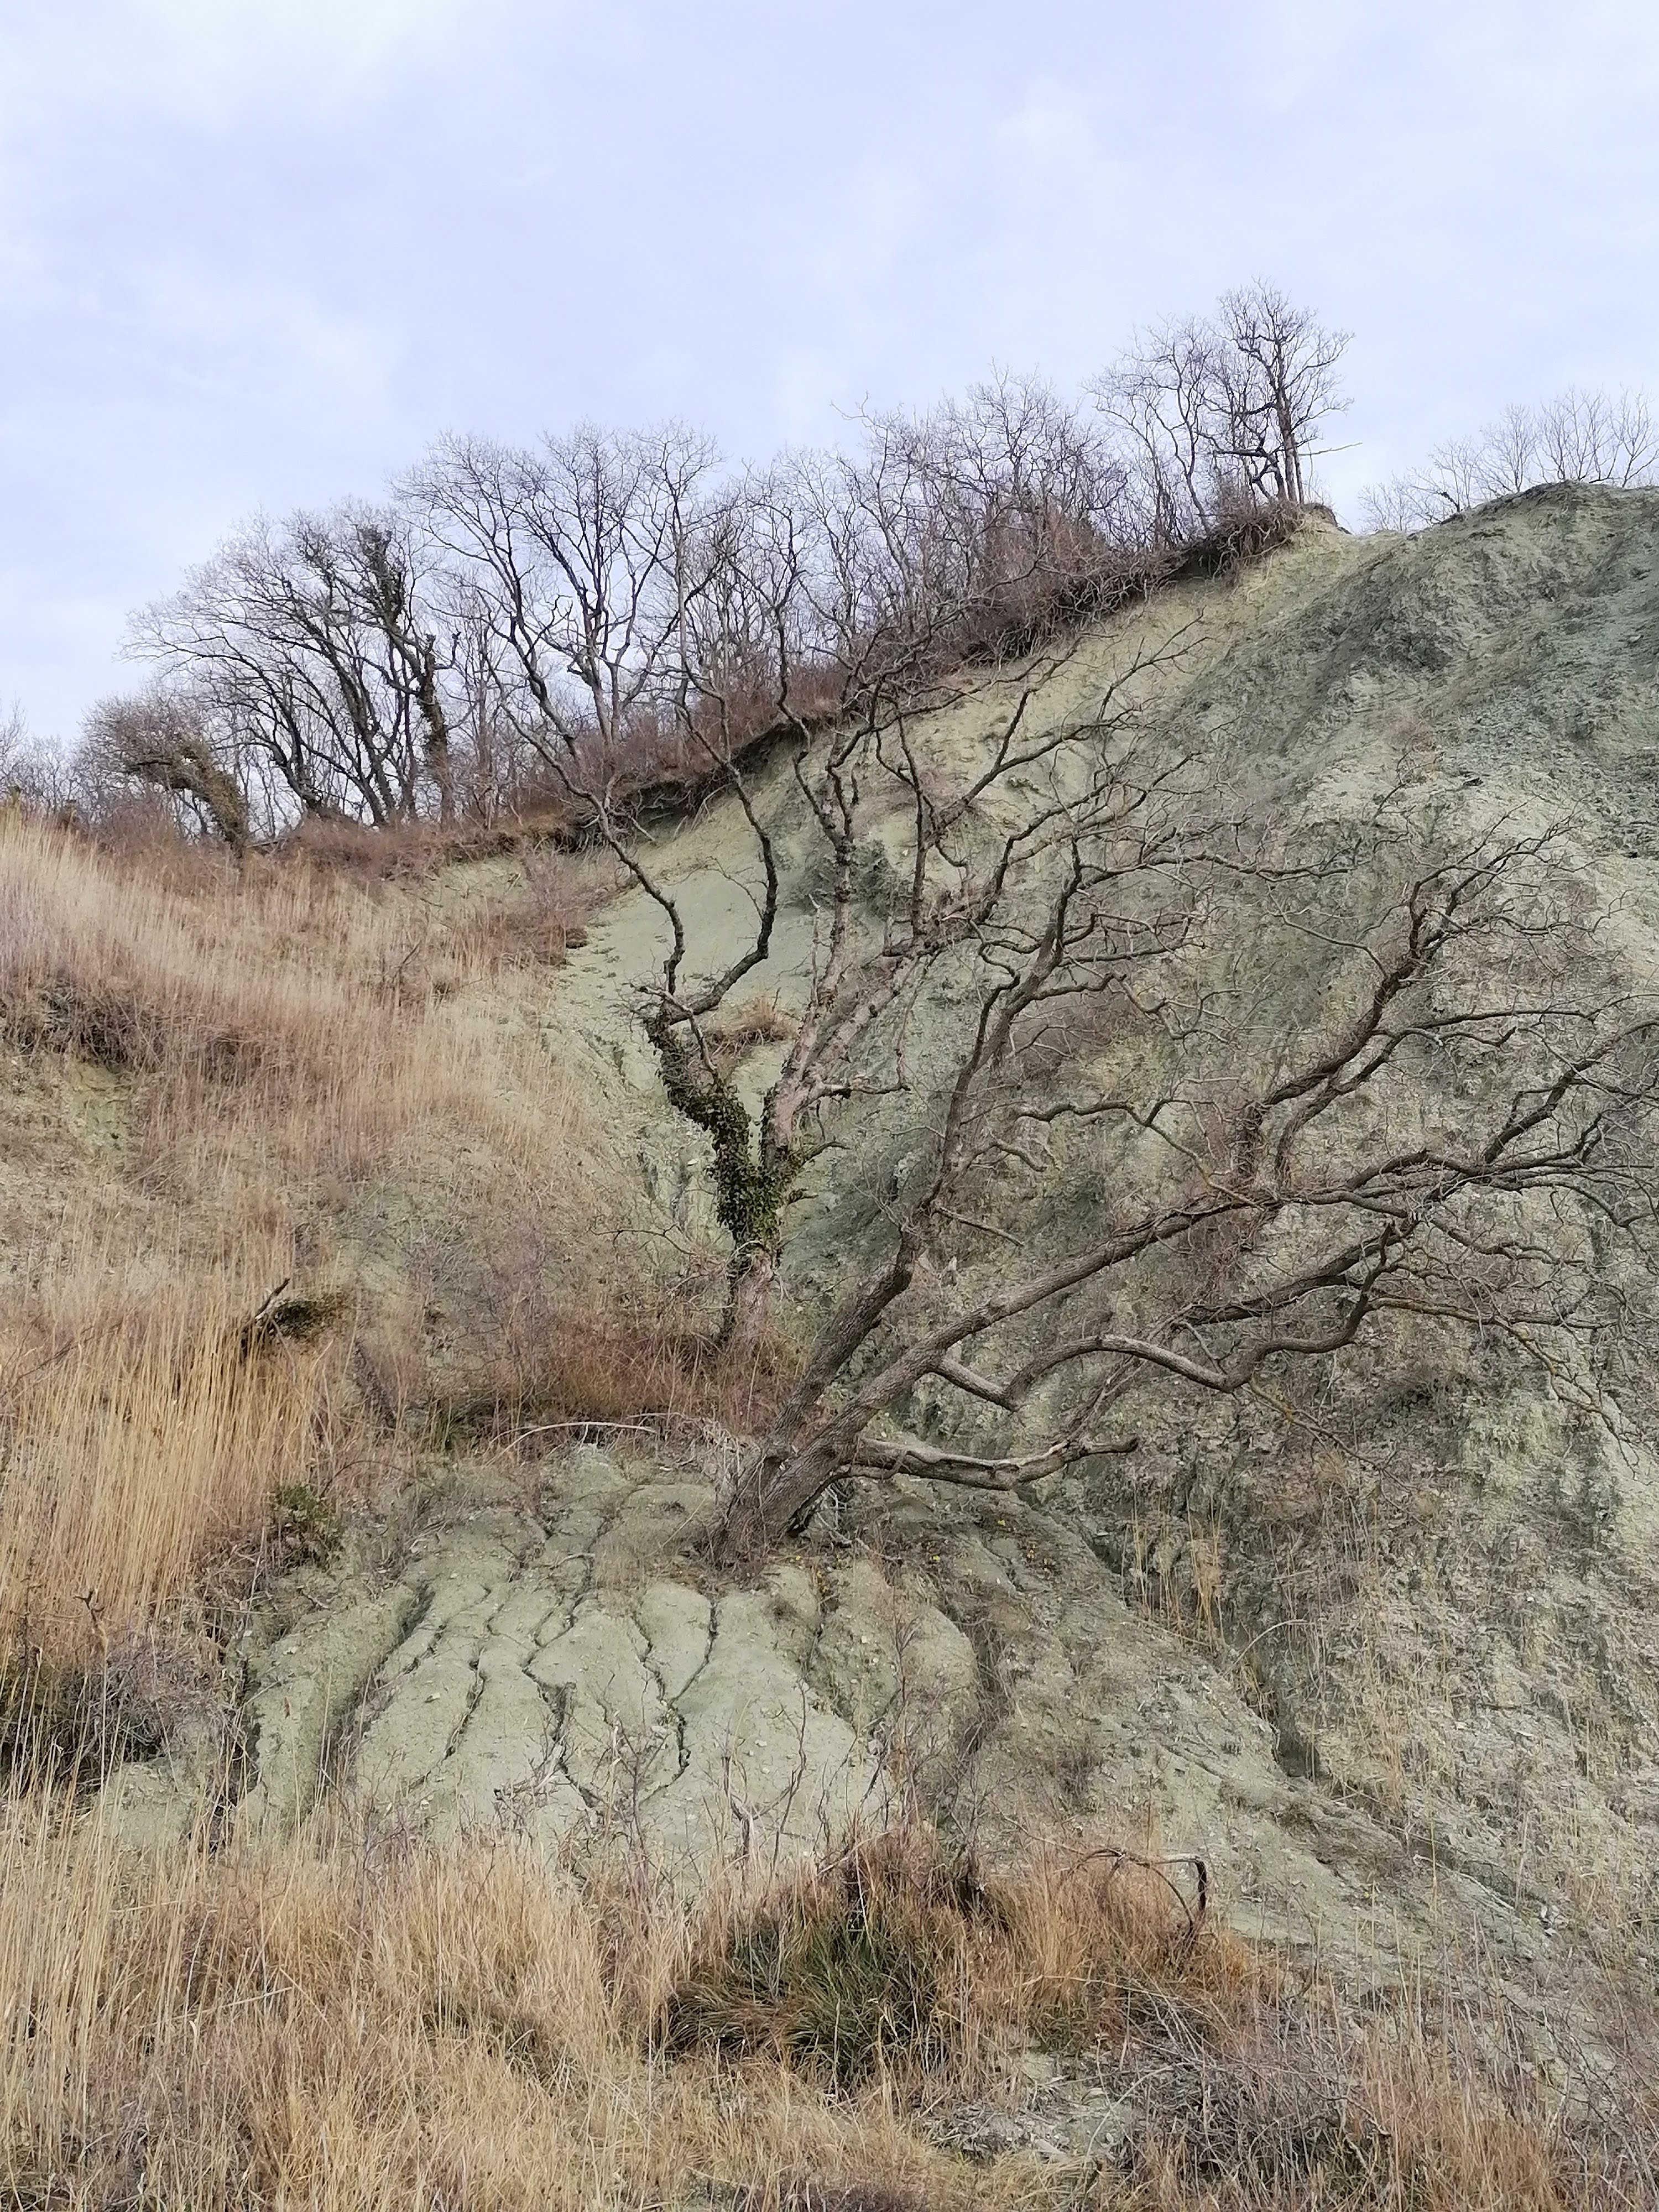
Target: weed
305	1526
70	1720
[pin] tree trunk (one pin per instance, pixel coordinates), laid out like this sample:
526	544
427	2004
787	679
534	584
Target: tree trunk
752	1180
437	731
750	1281
777	1489
190	770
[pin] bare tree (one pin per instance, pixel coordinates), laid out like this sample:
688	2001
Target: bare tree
578	560
1465	1141
642	613
1597	437
1277	367
313	648
14	736
164	739
634	613
1013	504
879	813
639	610
31	772
1217	411
1162	395
1577	437
379	662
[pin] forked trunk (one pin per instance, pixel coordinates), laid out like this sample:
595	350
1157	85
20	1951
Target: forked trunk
777	1489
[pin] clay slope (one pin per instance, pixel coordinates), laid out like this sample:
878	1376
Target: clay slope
1403	1660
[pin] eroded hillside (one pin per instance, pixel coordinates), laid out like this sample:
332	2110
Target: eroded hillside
1381	1651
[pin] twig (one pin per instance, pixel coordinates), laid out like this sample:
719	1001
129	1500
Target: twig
1201	1868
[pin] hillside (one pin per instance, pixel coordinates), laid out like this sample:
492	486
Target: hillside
363	1440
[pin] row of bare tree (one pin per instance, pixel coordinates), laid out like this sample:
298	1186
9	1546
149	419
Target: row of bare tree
1577	437
515	625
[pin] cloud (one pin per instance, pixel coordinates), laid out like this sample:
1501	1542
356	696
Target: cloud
1050	129
328	48
209	62
245	333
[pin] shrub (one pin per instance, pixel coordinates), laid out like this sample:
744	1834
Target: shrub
847	1974
71	1719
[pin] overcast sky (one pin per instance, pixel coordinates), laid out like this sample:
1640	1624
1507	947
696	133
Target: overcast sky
257	253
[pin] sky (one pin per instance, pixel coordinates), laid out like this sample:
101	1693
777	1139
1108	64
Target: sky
257	254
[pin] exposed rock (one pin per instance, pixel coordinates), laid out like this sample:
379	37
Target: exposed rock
1419	1673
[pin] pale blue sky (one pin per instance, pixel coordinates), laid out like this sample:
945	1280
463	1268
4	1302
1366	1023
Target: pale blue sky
257	252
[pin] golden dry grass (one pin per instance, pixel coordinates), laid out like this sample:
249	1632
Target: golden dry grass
296	1077
352	2023
146	1444
294	1019
308	1075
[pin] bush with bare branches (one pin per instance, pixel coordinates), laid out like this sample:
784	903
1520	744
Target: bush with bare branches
1465	1140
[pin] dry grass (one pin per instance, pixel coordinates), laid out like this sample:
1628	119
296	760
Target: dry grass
301	1079
536	1363
905	1961
145	1444
546	916
284	1085
352	2024
348	2026
272	1012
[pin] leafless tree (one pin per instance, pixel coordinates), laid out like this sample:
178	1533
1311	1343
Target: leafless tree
633	612
1577	437
313	648
1595	437
1464	1140
511	604
165	739
1162	395
999	511
879	814
1216	412
643	613
31	772
14	735
578	558
1279	367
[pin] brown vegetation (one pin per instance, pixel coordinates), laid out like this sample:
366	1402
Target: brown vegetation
274	1056
356	2021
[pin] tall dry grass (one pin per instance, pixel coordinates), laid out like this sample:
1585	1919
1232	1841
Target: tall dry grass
302	1079
354	2023
293	1018
308	1074
146	1442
